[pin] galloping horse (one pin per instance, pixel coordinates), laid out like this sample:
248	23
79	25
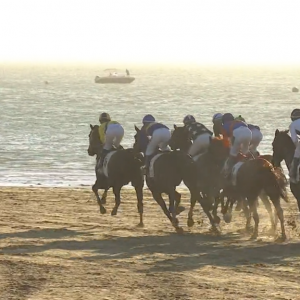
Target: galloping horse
284	149
253	177
123	167
170	169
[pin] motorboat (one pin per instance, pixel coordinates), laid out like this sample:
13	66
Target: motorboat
114	76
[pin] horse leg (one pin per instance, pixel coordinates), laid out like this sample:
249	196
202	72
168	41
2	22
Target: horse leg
264	198
160	201
104	196
95	190
190	221
117	193
279	212
178	209
253	208
215	210
140	205
172	209
247	214
227	217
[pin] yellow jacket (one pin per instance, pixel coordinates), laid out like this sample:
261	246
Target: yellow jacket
102	130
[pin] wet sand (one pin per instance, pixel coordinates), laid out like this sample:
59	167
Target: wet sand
54	244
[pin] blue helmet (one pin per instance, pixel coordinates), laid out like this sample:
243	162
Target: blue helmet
295	114
217	117
188	119
228	117
148	119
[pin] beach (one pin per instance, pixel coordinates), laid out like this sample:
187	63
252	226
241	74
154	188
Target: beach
54	244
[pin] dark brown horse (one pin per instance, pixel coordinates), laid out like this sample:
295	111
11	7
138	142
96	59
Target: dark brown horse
123	167
170	169
253	177
284	149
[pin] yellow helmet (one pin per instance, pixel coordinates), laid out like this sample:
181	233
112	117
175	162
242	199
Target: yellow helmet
240	118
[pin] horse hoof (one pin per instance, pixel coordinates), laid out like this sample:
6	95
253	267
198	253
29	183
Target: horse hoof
253	237
217	220
179	210
227	217
114	212
190	223
102	210
140	225
281	239
214	230
179	230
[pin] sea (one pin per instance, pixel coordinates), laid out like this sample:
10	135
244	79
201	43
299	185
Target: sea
44	128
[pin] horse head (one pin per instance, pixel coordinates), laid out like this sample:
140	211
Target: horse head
180	139
283	147
95	145
140	141
218	149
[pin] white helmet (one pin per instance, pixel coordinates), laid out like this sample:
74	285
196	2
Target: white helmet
217	116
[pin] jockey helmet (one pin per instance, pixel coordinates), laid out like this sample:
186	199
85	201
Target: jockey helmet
104	117
295	114
188	119
228	117
217	117
148	119
240	118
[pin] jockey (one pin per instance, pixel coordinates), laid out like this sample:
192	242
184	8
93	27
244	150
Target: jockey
295	131
257	136
198	133
217	121
111	134
238	133
159	137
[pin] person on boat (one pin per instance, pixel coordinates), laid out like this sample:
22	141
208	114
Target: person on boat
295	132
159	135
217	127
239	137
198	133
111	134
257	136
127	72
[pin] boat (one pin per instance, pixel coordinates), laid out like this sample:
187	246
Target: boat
114	76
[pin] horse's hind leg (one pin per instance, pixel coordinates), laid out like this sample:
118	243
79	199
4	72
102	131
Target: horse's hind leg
117	193
104	196
264	198
140	205
179	209
253	208
279	212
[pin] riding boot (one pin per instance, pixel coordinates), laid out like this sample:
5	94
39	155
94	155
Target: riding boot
147	165
293	169
229	165
103	154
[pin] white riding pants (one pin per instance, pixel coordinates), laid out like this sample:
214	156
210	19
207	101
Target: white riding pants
201	143
257	137
160	139
242	137
114	135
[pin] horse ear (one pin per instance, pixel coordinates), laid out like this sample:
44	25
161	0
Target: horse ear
92	127
276	132
136	128
175	126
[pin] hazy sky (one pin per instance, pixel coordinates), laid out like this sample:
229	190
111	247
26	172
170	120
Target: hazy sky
190	31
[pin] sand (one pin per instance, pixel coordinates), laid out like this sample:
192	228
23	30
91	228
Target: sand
54	244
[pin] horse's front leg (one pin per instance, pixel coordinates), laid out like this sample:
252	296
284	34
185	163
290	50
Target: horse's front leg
179	209
104	196
172	197
117	193
140	205
95	190
264	198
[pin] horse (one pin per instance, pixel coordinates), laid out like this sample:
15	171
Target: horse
123	167
206	169
284	149
208	179
253	177
170	169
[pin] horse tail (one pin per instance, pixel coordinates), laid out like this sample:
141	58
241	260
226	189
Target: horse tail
274	182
